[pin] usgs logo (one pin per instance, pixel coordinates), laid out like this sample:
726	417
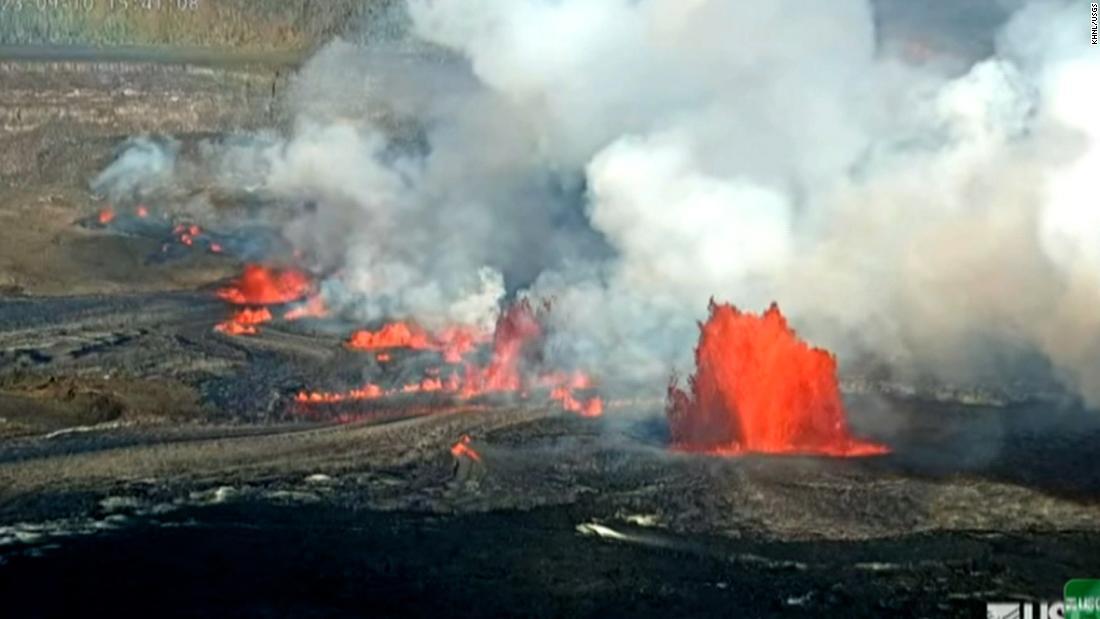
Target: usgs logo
1024	610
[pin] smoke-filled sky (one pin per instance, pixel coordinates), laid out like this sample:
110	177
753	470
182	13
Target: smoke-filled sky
911	185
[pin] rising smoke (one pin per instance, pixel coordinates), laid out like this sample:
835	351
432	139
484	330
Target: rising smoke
631	159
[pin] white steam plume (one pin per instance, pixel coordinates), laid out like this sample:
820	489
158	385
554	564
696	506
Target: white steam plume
143	165
632	158
938	220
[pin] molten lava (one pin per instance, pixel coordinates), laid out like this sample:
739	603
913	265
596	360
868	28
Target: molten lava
244	321
516	339
261	285
592	407
462	449
313	307
368	392
517	332
758	388
453	343
106	216
391	335
458	341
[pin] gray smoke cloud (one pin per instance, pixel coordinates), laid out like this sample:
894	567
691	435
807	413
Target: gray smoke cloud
144	165
631	159
933	214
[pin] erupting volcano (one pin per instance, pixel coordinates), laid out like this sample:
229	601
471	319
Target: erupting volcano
758	388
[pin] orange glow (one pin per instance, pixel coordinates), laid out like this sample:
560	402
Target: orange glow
462	449
371	391
185	233
141	211
517	331
570	380
391	335
453	343
368	392
244	321
458	341
592	407
106	216
230	327
758	388
261	285
314	307
425	386
517	336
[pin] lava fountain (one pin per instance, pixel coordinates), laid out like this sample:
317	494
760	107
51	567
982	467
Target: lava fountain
758	388
516	345
261	285
244	321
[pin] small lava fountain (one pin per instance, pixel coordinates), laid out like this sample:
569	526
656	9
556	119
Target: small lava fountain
262	285
758	388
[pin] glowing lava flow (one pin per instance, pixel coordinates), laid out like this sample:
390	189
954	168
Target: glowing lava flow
517	336
244	321
758	388
260	285
592	407
462	449
391	335
517	330
313	307
186	234
453	342
368	392
456	342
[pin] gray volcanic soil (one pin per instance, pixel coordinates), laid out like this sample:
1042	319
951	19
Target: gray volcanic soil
562	516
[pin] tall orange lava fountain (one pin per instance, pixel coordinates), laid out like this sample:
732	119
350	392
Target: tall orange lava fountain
758	388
